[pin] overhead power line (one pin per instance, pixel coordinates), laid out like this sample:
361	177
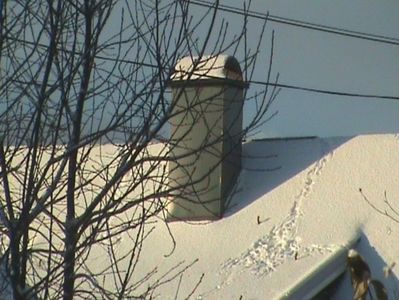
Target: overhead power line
201	75
298	23
323	91
279	85
305	89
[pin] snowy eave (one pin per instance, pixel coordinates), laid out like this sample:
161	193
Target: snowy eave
208	68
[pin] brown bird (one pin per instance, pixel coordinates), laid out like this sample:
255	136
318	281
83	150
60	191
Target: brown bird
360	274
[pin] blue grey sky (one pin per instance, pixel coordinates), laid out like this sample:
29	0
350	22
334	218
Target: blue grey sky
318	60
322	60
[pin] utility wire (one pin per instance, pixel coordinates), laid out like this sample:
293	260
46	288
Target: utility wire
322	91
300	88
298	23
285	86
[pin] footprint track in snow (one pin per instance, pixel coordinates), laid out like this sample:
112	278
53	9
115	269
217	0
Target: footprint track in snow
269	252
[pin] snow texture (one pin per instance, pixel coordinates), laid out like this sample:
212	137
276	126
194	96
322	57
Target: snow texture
282	242
313	207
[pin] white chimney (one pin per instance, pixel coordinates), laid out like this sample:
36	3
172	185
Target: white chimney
206	131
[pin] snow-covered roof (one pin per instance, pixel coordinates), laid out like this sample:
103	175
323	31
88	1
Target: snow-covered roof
296	204
296	208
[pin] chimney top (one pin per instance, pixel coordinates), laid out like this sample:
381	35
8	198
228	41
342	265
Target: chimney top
208	68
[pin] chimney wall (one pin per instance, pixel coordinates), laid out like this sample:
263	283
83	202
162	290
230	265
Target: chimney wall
206	133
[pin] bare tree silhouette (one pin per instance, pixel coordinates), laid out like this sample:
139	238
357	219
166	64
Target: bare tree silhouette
83	98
